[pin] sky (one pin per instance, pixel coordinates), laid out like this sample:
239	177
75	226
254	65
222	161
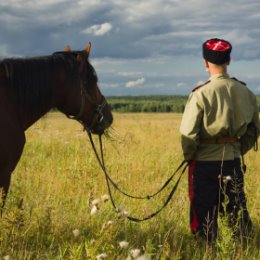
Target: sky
138	47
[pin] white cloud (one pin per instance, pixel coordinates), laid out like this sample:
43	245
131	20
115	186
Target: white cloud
135	83
180	84
98	29
128	73
32	13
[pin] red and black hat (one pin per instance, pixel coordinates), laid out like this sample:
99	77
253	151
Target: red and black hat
216	51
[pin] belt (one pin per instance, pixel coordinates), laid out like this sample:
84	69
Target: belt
220	140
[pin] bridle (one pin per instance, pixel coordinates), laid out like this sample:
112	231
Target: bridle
98	117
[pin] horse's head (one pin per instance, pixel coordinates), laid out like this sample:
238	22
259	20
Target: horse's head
84	101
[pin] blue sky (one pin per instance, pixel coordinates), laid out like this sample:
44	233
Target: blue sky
138	47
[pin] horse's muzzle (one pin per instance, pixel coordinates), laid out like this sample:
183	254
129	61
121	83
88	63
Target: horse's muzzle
102	119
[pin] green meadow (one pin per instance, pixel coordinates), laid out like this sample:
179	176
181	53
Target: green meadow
57	208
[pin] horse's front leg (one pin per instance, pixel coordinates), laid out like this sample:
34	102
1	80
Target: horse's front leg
5	179
11	146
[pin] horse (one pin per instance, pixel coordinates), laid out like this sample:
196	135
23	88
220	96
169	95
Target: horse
31	87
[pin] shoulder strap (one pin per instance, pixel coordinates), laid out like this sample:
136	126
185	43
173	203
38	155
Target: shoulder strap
239	81
201	85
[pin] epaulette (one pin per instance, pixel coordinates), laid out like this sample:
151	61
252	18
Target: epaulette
239	81
201	85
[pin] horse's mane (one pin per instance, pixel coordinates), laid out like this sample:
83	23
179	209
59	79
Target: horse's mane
32	80
91	74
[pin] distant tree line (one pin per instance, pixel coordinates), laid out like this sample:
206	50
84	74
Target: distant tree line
151	104
147	103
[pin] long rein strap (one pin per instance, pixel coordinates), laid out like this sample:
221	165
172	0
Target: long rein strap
102	165
109	180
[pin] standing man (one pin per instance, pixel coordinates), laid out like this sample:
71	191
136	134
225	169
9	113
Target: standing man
220	123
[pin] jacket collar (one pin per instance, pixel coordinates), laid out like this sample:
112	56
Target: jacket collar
219	76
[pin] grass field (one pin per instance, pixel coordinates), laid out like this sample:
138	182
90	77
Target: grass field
49	213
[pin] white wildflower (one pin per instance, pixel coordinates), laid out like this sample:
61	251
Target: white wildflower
95	202
124	244
122	212
94	210
226	179
107	224
7	257
135	252
76	232
110	222
105	198
101	256
125	213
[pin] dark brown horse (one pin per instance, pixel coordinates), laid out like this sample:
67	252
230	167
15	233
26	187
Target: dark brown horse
30	87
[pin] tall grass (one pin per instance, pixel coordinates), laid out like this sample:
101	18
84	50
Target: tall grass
48	211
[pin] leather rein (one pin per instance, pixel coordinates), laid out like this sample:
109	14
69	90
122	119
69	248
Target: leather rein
98	118
109	181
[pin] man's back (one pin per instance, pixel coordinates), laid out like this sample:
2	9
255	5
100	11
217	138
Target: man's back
225	107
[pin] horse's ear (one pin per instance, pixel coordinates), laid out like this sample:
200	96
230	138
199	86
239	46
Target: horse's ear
87	49
68	49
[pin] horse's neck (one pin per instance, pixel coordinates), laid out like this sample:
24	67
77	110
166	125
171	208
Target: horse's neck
28	121
53	103
48	91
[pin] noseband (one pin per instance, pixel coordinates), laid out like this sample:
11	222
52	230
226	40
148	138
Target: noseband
98	116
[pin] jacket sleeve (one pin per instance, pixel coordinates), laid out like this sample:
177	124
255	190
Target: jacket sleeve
249	139
190	126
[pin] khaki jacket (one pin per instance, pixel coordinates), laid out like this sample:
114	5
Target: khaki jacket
223	106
